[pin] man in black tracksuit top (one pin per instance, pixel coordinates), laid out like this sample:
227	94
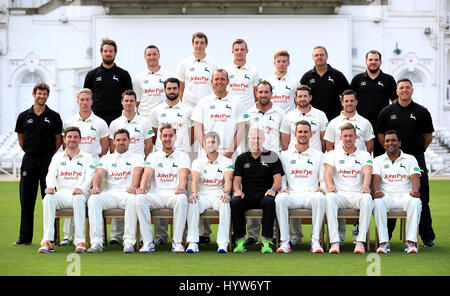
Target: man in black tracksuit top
107	83
39	133
414	124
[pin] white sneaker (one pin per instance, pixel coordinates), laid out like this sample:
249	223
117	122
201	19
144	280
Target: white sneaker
316	247
95	248
128	248
384	248
359	248
147	247
192	248
285	247
411	247
335	248
177	247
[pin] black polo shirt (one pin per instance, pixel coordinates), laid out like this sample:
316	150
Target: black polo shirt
373	94
39	131
257	174
107	86
411	122
326	90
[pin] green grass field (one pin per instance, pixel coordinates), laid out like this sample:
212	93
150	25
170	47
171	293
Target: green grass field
24	260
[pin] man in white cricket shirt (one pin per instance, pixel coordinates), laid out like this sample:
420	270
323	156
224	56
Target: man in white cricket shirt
364	130
396	184
347	177
69	179
220	112
168	170
141	134
243	77
283	85
121	171
94	140
211	184
195	72
304	111
176	113
140	128
148	84
304	172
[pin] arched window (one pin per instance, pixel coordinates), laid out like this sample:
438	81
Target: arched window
25	88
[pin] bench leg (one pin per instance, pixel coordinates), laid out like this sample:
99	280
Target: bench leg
57	230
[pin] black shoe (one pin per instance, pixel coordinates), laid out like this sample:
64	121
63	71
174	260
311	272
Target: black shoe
21	243
114	242
427	243
251	241
204	240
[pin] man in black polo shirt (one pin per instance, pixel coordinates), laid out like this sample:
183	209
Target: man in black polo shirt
413	123
259	172
39	133
107	83
374	90
326	84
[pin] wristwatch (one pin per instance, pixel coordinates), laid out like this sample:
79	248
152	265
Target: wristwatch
227	192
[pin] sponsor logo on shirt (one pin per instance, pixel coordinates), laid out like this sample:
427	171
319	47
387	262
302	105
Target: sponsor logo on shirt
239	86
73	175
220	117
88	140
349	173
301	173
153	91
199	79
167	178
280	98
120	175
212	182
394	178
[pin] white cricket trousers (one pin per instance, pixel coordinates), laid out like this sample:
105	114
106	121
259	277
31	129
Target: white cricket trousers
348	200
295	200
161	200
64	200
209	201
112	199
395	200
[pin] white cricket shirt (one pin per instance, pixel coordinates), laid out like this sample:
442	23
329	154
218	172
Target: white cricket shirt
303	171
65	173
242	82
348	168
179	116
395	175
316	118
219	115
196	75
211	173
149	88
119	169
92	130
166	169
283	91
364	130
269	122
139	128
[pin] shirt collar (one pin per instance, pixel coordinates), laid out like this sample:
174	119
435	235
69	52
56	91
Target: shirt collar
80	154
354	118
90	118
134	120
167	106
386	156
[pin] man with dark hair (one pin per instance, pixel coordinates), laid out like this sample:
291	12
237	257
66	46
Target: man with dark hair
396	183
107	82
415	126
39	133
375	89
69	179
326	83
148	84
